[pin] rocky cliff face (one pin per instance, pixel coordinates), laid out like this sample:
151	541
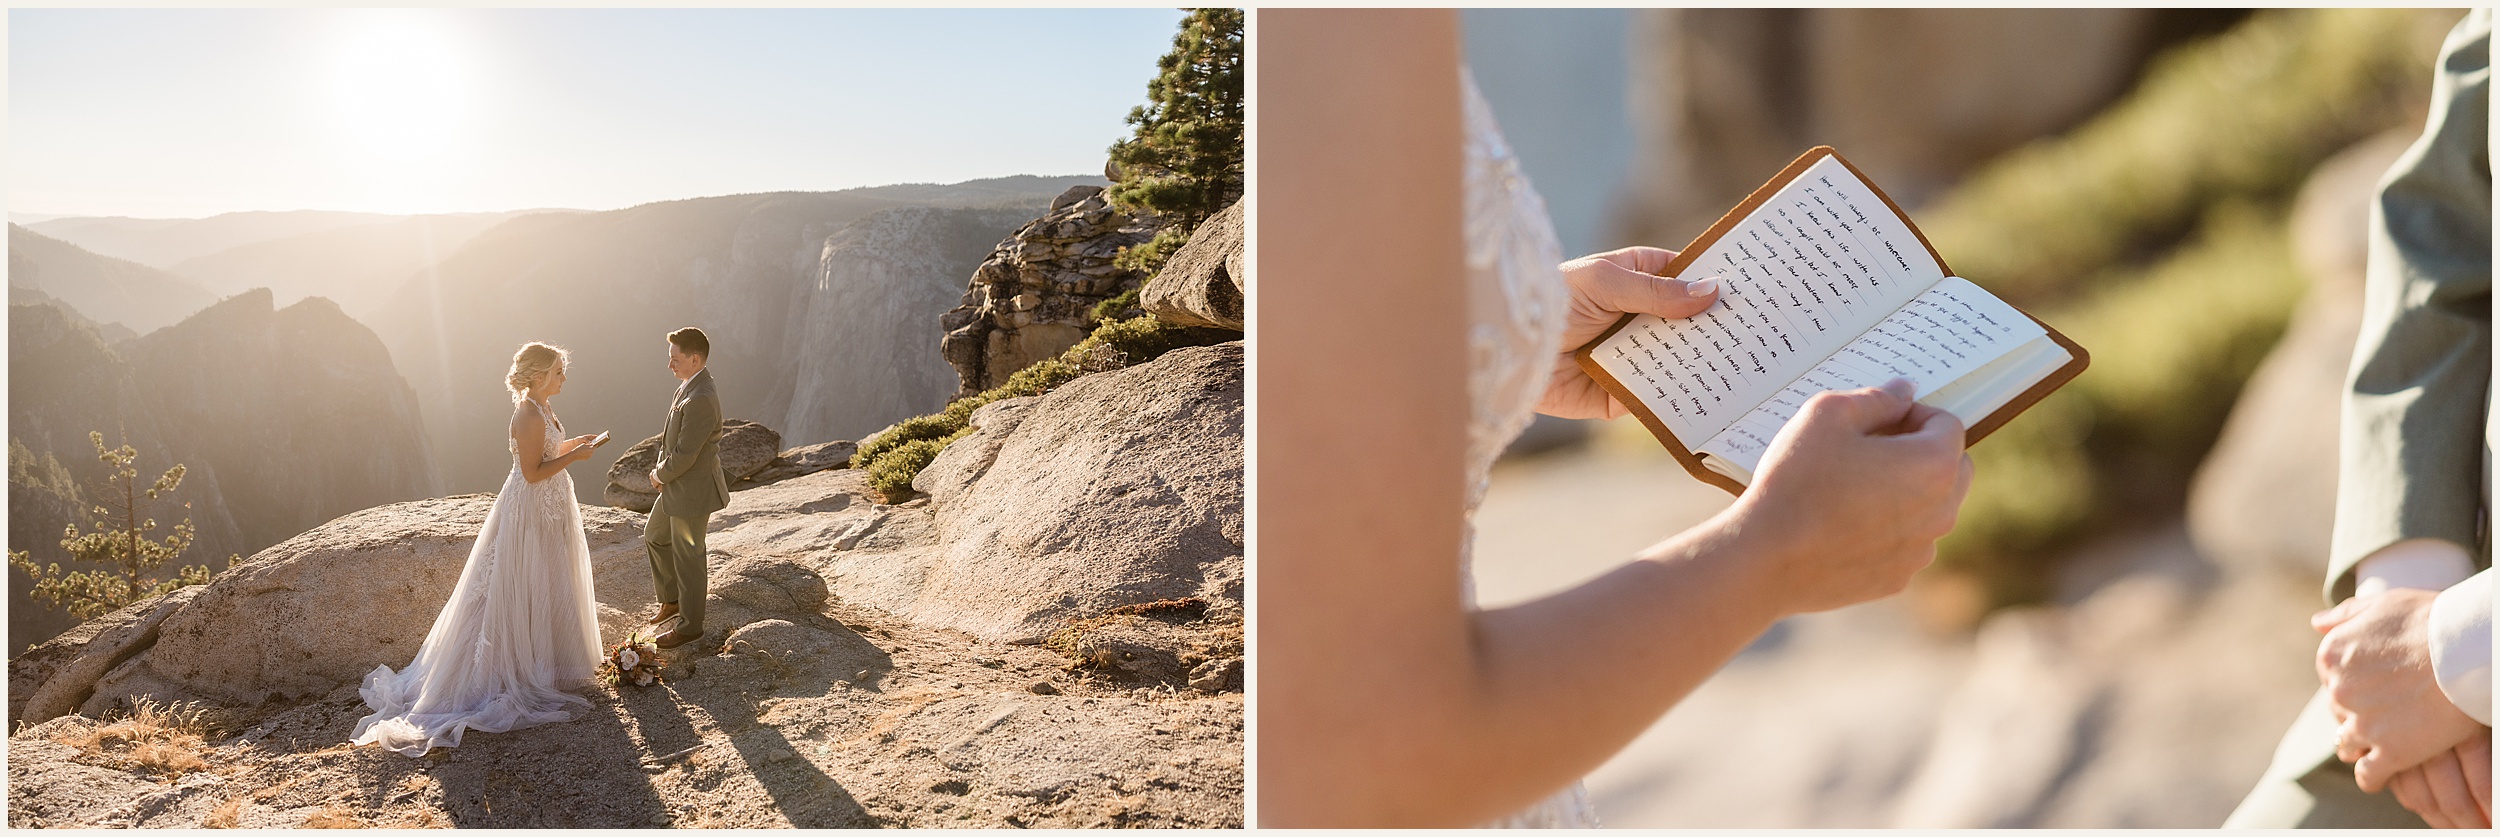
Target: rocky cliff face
297	412
1034	297
865	329
751	270
284	417
867	664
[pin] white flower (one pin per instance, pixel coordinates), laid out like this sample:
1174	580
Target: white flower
642	678
628	659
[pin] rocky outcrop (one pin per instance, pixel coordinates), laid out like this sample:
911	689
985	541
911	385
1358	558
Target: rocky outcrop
1035	295
1119	488
1205	283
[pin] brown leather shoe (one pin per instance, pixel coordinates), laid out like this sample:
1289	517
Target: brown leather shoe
676	638
668	611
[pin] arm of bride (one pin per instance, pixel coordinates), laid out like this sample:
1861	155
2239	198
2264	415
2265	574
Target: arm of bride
1383	699
529	446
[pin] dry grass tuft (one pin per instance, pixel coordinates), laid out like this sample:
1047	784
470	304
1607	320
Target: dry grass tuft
333	817
229	815
423	818
154	738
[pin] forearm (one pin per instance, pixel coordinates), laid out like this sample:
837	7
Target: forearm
1504	707
544	468
1572	678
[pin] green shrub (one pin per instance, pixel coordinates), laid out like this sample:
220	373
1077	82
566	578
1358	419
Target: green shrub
1116	307
2242	116
2171	347
1149	256
893	457
891	475
909	430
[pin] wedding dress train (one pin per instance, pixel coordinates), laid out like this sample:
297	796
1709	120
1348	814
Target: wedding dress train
520	625
1515	302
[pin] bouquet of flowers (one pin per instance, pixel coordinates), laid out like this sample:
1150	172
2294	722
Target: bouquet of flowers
635	660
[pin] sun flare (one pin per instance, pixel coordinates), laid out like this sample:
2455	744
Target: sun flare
399	85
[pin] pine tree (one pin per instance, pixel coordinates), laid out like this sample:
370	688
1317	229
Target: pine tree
120	544
1183	163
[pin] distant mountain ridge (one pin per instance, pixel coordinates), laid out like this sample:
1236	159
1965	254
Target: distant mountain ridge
356	266
102	288
165	242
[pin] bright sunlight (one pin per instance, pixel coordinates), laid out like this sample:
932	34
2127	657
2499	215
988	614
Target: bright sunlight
399	84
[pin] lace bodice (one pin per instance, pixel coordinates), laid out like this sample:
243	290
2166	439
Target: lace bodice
553	427
1515	293
1515	306
548	496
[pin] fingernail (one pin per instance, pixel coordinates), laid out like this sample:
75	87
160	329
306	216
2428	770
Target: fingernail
1702	287
1902	386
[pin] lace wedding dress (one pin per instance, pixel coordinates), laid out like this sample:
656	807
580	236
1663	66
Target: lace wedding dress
1515	304
520	625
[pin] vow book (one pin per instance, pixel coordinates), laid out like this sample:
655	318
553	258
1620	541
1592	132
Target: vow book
1824	285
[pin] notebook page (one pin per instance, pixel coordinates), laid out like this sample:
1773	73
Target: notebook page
1809	269
1947	332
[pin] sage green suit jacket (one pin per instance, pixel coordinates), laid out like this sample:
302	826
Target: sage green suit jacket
691	482
2417	418
2415	456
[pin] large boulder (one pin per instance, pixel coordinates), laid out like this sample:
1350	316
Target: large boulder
800	461
1035	295
318	612
323	608
745	448
52	679
1205	282
2252	506
1118	488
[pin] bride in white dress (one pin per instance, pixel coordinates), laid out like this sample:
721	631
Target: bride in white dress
520	625
1414	321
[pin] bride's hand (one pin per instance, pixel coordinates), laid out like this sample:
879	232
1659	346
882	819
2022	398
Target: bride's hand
1852	496
1604	287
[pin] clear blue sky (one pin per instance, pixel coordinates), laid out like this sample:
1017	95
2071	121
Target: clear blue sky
188	113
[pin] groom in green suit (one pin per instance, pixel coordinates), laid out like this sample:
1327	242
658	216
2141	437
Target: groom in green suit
2406	658
691	485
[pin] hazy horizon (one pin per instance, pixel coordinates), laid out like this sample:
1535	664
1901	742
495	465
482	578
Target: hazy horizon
29	218
186	114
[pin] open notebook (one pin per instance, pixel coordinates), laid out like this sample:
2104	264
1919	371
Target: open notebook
1825	285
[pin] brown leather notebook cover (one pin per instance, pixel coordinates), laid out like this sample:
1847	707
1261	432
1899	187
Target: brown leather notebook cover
1692	462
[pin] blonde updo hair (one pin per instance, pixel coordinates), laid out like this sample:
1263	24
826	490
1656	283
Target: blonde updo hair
530	362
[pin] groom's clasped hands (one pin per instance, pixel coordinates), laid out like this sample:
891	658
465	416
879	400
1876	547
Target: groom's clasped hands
2398	729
